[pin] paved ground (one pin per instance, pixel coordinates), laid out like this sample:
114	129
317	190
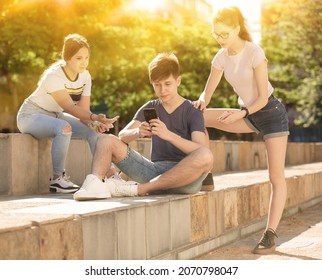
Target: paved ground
300	238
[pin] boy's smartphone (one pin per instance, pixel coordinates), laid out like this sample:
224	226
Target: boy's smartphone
149	114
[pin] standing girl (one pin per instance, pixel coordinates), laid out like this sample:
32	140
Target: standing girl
244	65
60	108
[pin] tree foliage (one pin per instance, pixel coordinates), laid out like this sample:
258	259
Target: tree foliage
292	39
123	43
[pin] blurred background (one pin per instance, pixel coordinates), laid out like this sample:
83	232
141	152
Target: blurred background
125	35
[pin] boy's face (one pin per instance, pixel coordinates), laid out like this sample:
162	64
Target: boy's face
167	88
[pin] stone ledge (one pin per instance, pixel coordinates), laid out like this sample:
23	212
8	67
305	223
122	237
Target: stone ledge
154	227
27	167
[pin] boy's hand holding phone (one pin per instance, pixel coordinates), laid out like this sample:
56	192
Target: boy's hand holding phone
146	127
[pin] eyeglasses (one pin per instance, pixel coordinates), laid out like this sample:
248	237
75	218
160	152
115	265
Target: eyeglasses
223	35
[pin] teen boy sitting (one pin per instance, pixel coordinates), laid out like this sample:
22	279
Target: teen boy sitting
180	160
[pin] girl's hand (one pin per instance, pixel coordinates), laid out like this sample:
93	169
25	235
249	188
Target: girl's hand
229	117
98	127
199	104
107	122
101	128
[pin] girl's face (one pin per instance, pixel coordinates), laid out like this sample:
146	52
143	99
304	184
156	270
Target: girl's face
79	62
225	34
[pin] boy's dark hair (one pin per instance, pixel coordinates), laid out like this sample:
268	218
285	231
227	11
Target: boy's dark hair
163	66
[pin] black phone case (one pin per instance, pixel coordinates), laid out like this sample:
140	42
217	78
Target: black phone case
149	114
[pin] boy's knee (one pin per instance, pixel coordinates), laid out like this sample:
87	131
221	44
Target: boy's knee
102	139
108	139
206	157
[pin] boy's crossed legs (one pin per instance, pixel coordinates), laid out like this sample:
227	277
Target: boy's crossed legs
193	168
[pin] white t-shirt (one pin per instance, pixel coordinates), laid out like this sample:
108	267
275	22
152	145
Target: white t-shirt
55	79
239	71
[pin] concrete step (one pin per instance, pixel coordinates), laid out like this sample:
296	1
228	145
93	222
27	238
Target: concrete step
27	165
299	238
52	226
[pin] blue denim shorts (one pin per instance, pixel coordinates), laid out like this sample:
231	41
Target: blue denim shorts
271	120
142	170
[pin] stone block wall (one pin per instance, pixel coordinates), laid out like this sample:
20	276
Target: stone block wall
25	165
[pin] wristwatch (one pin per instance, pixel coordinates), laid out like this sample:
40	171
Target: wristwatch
247	112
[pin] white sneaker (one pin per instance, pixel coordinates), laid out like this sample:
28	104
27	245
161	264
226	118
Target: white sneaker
115	176
62	184
122	188
92	188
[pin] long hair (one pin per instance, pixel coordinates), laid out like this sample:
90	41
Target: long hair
233	17
72	44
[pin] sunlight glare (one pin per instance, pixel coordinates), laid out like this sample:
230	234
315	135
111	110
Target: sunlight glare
248	7
147	5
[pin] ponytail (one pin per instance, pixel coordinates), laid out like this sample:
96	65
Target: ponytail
233	17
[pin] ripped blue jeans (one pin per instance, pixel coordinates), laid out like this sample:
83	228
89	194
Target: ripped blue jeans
40	123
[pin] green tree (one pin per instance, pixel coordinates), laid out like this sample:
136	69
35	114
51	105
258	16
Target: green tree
293	46
123	43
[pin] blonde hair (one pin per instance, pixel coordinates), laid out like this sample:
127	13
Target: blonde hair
233	17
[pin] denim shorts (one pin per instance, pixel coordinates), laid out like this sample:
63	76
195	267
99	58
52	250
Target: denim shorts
142	170
271	120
